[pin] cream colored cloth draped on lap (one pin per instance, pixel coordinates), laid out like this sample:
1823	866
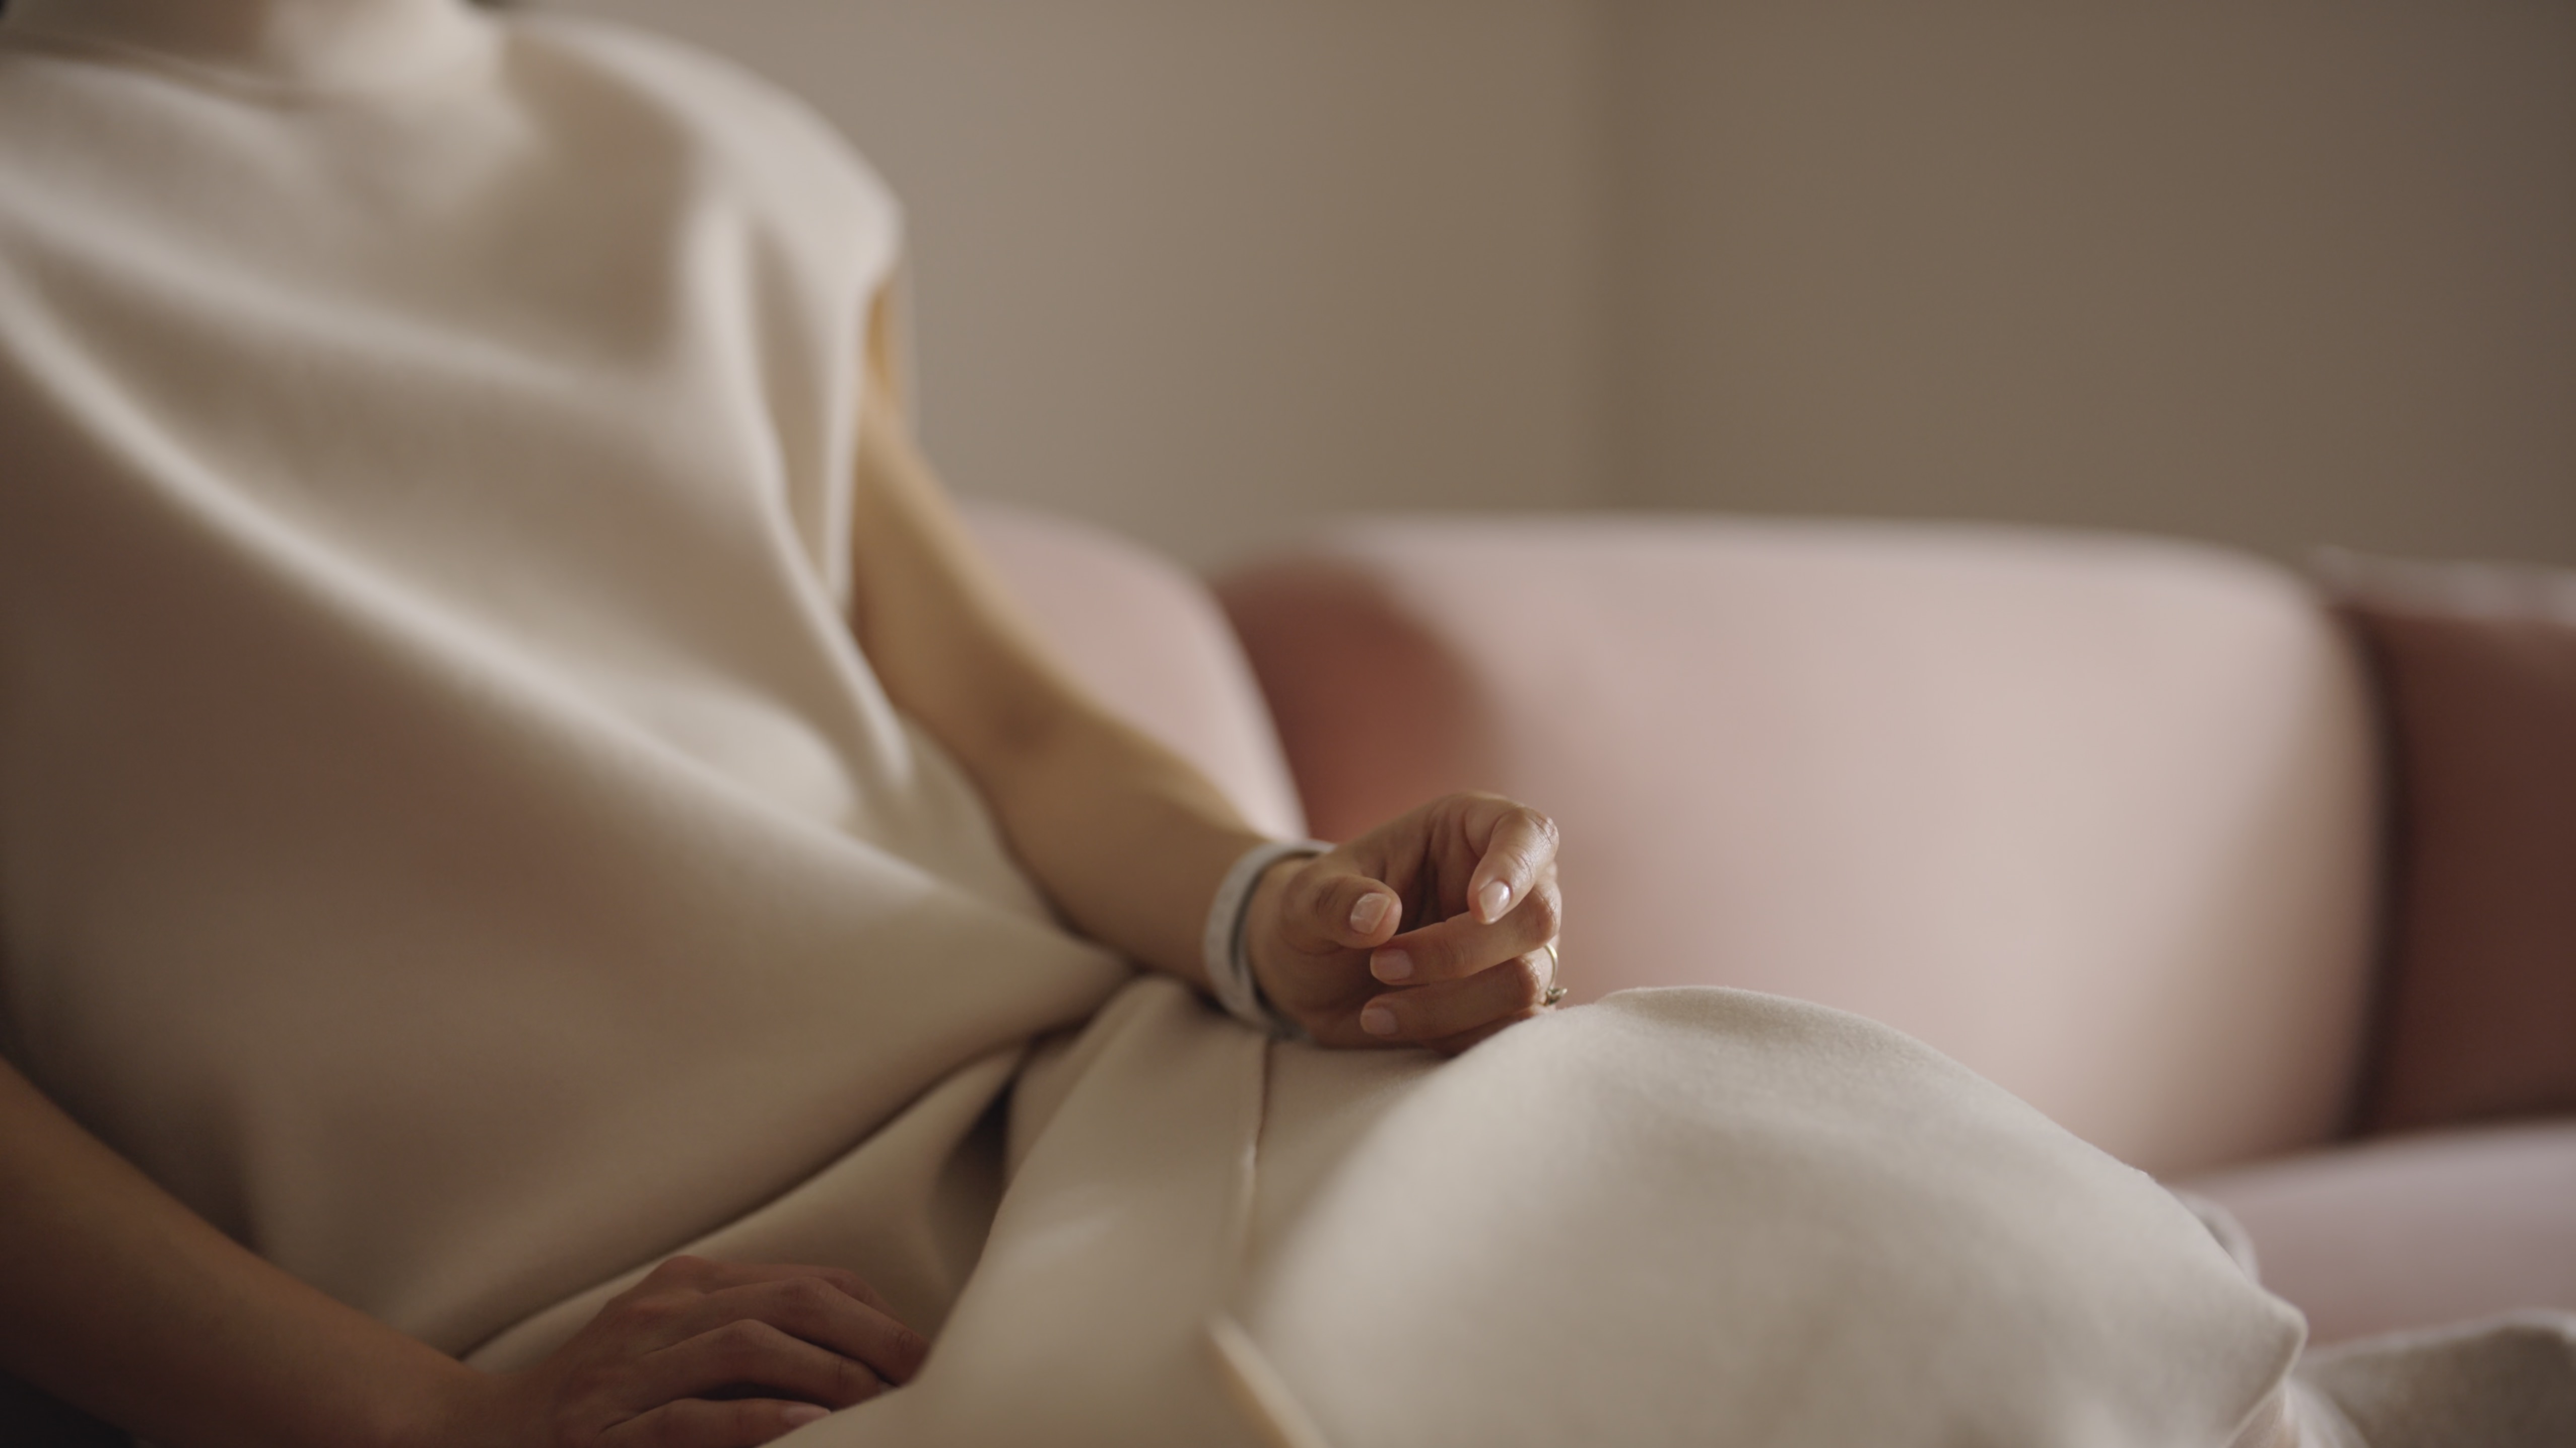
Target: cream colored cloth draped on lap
448	837
1677	1217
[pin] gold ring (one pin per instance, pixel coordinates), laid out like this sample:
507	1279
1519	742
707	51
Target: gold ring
1555	991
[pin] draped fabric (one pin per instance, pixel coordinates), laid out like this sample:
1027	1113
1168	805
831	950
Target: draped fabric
446	832
448	837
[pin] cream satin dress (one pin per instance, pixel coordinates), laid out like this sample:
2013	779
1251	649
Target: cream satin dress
449	838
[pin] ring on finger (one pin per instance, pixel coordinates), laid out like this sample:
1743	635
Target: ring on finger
1556	992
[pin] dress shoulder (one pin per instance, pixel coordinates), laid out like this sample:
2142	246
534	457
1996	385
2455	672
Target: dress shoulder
764	132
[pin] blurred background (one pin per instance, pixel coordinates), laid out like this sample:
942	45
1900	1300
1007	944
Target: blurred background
2267	272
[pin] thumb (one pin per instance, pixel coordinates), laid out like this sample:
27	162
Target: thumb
1331	905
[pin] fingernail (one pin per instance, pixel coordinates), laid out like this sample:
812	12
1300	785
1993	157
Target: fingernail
1370	913
1378	1021
803	1413
1391	965
1491	901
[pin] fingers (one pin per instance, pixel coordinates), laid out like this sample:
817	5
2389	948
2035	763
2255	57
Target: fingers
810	1309
1354	897
693	1328
831	1307
1458	1009
1330	934
743	1423
1465	945
1331	906
698	1274
1519	851
747	1353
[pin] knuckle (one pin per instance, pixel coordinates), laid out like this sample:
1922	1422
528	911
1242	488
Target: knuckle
1435	959
1306	893
852	1383
683	1268
1546	910
740	1343
1496	989
1529	983
649	1312
807	1299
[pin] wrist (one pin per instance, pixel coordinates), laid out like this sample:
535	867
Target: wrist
454	1405
1226	944
1261	924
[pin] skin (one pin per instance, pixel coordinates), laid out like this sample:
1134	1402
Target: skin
1433	930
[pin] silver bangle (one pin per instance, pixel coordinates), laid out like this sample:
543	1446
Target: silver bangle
1222	948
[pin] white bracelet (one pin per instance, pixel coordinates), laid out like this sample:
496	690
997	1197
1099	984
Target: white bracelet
1222	948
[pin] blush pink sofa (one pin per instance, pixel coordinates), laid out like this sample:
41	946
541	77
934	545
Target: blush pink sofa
2099	816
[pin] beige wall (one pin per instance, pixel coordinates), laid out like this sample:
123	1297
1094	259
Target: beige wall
1205	268
2271	271
2267	271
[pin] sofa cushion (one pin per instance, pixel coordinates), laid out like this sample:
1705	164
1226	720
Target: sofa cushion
1148	640
2094	815
2477	664
2412	1231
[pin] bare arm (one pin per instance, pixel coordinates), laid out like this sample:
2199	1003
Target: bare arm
119	1300
1453	902
116	1298
1116	827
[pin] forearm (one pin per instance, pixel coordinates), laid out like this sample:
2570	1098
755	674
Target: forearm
1435	929
1126	838
118	1299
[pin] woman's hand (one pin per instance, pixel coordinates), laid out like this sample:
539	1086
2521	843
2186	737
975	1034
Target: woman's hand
1436	929
1130	841
701	1355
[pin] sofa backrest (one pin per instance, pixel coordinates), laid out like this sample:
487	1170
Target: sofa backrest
2094	815
1147	639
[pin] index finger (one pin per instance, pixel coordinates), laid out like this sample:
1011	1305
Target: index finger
1520	843
811	1310
709	1277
